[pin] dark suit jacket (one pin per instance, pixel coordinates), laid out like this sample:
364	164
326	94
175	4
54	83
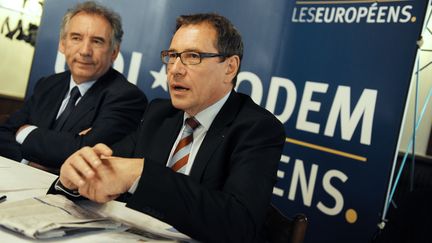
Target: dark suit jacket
225	197
112	107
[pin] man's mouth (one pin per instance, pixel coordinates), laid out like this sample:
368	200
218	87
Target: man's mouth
84	63
179	88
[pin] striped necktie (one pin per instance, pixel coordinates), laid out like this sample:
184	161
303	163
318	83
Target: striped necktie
181	153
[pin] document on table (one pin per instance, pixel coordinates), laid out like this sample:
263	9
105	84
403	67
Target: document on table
141	223
51	216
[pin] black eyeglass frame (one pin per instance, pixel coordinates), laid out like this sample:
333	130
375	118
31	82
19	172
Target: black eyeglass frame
202	55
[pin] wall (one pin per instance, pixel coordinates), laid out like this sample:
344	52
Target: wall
19	22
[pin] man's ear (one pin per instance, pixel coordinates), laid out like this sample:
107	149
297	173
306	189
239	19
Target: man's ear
115	53
61	46
233	64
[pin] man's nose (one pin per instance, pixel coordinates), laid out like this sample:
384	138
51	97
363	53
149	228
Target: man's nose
86	48
177	67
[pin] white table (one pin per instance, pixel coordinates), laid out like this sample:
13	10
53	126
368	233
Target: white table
19	181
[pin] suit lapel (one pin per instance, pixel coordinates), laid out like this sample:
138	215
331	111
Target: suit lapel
89	100
85	105
215	135
169	129
53	102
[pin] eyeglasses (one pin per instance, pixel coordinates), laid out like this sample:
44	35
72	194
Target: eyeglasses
186	57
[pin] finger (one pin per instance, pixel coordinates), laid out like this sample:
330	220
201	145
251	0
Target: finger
84	132
69	177
91	156
82	166
102	149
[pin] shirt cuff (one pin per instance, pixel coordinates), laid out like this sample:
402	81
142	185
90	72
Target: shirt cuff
59	187
24	161
22	135
134	186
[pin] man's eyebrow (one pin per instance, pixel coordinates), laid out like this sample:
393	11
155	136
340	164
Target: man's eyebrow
74	33
194	50
188	49
99	38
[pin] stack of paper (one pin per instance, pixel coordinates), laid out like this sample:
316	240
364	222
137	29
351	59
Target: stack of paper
51	216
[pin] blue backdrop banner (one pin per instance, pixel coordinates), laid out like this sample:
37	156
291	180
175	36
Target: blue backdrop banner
336	73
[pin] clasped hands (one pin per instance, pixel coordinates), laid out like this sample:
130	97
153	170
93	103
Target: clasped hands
99	176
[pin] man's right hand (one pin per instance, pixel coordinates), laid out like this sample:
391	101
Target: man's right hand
81	166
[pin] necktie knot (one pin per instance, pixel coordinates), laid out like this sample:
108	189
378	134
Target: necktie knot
75	94
192	123
73	97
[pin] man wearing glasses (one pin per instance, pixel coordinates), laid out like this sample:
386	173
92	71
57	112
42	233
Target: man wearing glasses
204	161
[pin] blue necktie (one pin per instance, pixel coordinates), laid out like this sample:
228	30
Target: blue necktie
61	120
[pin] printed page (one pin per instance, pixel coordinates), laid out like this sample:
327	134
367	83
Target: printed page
51	216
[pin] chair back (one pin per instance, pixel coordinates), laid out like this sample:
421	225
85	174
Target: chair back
281	229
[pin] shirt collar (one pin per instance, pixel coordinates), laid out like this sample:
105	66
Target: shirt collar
206	116
83	87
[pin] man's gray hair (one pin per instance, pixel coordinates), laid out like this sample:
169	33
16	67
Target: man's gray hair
91	7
